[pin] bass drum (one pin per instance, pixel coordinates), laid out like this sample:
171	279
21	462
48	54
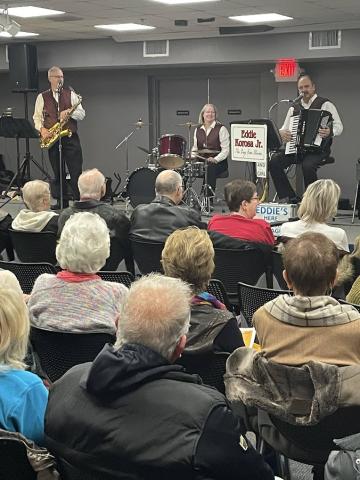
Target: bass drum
140	186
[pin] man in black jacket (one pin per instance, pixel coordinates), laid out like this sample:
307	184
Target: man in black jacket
92	187
156	221
133	413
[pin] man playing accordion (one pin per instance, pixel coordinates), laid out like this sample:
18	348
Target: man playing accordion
310	158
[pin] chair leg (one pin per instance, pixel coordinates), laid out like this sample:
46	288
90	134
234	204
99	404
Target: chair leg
318	472
283	467
355	202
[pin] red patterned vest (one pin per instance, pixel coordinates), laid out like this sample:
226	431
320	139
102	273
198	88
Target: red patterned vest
50	109
211	141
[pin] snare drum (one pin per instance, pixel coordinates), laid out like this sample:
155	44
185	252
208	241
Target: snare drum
140	186
172	151
195	170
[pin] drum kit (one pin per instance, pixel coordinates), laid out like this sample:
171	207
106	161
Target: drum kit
171	153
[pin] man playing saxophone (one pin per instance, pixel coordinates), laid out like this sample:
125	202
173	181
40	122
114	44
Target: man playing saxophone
60	104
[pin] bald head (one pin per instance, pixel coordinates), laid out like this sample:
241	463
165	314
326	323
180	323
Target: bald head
91	184
169	184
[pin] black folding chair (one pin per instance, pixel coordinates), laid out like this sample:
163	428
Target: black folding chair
210	366
147	255
27	273
216	288
56	352
277	268
118	252
34	246
233	266
14	463
251	298
126	278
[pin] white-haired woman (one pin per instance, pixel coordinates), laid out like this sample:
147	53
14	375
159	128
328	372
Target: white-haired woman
76	299
37	216
214	136
318	206
23	397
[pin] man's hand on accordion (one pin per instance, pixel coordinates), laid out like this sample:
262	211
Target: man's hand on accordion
285	135
324	132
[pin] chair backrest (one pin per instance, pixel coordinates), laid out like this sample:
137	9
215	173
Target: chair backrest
233	266
216	288
117	253
211	367
57	352
34	246
27	273
147	255
313	444
277	268
126	278
251	298
14	463
340	300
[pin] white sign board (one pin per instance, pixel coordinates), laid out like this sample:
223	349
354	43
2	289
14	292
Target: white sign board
249	144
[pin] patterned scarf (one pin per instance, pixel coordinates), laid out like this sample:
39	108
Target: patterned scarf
205	298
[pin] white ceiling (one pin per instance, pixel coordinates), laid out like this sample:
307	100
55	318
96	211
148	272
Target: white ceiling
82	15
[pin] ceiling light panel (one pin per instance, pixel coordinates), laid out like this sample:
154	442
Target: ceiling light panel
32	12
125	27
261	17
18	35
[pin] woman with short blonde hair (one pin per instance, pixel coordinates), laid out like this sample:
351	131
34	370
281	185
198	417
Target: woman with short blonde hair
319	205
23	397
188	254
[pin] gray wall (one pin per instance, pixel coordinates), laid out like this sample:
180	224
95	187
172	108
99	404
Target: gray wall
115	98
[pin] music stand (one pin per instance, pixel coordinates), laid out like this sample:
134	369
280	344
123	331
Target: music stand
19	128
274	140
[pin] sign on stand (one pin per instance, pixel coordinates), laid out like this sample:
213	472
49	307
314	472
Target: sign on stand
249	144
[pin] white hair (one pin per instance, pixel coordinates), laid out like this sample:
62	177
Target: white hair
84	243
53	70
320	201
90	184
34	193
156	313
167	182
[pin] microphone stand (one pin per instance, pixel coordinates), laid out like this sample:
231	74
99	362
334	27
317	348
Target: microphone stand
125	140
61	186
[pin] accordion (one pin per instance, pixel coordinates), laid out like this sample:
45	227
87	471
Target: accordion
305	131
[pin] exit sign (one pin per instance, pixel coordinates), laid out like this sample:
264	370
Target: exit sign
286	70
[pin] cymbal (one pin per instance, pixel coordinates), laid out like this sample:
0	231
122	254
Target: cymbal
204	151
189	124
144	149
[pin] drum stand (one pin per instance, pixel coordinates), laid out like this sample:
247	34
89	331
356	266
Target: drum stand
190	197
207	193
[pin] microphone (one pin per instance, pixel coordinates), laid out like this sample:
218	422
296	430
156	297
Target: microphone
299	97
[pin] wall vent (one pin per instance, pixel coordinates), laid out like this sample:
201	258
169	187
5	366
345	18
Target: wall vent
325	39
156	48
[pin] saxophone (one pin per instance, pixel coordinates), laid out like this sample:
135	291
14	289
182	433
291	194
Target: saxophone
57	130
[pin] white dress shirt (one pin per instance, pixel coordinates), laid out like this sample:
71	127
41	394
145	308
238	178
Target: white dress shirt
224	138
78	113
330	107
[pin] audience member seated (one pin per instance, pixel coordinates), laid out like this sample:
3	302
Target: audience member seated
23	397
189	254
92	187
37	216
139	415
319	205
311	325
76	299
154	222
242	199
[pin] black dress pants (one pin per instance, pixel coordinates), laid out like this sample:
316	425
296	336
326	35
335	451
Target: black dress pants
214	170
279	162
72	158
